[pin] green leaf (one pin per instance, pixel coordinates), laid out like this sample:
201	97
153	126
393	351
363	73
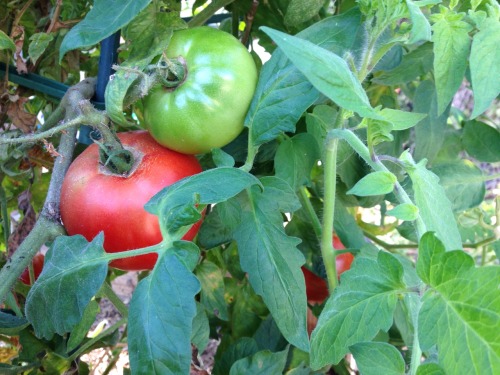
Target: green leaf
295	158
100	23
460	312
211	186
283	92
434	206
272	259
481	141
375	183
79	333
56	302
222	158
375	358
163	308
404	211
328	72
430	369
361	306
299	11
402	120
212	289
430	131
463	183
484	67
414	64
244	347
451	51
11	324
201	328
262	363
6	42
421	29
38	45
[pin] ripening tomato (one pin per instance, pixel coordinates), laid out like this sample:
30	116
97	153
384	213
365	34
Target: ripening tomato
37	262
316	287
94	200
207	109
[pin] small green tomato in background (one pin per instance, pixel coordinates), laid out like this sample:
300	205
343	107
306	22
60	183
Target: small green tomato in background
207	109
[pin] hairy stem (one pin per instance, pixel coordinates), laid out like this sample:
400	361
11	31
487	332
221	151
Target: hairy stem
202	17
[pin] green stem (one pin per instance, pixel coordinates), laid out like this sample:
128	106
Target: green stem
416	351
252	152
327	250
202	17
377	165
108	292
387	246
83	349
309	209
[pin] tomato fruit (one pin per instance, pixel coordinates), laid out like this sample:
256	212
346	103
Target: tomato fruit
316	286
94	200
207	109
37	262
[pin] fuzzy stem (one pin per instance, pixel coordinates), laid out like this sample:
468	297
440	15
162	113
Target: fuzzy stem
202	17
327	250
309	209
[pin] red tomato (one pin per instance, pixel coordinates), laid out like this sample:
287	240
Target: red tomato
316	287
37	261
93	200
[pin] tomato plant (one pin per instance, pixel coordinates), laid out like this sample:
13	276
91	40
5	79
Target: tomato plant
95	200
373	120
37	269
206	110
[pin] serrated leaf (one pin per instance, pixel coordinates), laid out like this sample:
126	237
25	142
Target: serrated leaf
11	324
402	120
6	42
404	211
375	358
99	23
433	204
295	158
159	335
38	45
460	311
375	183
56	302
283	93
413	64
430	131
272	259
212	289
201	328
263	363
463	183
421	28
361	306
484	67
451	51
211	186
481	141
328	72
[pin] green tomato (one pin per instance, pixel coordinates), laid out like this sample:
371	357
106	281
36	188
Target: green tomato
209	106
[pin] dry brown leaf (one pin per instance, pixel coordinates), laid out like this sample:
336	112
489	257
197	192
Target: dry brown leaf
20	118
27	223
17	36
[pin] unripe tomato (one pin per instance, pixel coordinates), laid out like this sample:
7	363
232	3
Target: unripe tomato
208	108
37	262
316	287
93	200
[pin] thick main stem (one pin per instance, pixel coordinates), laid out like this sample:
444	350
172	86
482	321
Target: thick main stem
327	250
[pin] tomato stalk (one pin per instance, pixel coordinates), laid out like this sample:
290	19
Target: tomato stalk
48	226
327	250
